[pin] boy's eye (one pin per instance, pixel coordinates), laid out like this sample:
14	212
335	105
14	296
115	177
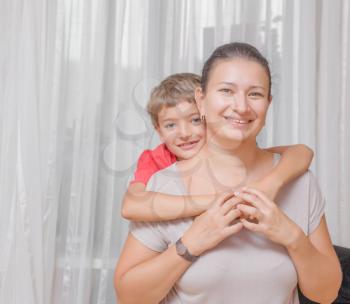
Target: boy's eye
170	125
196	120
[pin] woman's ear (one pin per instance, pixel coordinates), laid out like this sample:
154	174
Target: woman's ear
199	96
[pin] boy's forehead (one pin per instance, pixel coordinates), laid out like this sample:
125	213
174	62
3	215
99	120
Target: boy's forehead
180	109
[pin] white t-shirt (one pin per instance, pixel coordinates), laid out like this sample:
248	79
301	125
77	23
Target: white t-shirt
245	268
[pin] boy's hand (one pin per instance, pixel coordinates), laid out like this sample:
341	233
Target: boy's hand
268	186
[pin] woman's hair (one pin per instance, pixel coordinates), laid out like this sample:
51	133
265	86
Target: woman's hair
171	91
231	51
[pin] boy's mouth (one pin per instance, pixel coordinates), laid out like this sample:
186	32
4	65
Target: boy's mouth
188	145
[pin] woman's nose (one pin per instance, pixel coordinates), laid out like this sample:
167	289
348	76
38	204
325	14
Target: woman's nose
240	104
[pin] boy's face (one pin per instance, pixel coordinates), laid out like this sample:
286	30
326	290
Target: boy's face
181	129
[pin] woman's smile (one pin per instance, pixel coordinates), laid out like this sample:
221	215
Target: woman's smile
238	123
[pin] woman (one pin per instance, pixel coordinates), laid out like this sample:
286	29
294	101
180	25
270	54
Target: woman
252	252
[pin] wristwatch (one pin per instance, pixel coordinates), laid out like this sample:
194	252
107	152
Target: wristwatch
182	251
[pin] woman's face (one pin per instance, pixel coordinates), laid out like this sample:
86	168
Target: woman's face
235	102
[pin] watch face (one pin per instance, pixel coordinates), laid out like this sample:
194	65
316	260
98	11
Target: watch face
180	248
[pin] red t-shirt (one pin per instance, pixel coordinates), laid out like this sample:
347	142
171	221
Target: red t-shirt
151	161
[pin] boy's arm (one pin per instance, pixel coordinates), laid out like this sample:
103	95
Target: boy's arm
142	205
295	160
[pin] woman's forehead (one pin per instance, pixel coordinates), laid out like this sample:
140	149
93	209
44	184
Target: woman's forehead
239	71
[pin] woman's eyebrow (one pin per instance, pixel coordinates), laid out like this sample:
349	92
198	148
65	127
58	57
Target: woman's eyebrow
257	87
227	83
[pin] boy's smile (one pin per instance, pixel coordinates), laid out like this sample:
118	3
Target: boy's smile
181	129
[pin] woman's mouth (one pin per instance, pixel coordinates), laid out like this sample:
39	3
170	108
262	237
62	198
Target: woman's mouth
239	123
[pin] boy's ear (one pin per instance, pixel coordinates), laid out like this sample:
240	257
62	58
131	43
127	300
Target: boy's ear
199	96
159	133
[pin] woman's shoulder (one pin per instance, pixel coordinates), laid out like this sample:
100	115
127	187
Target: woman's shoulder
307	179
302	184
303	193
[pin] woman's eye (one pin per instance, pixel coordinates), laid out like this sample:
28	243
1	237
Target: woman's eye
196	120
226	91
256	94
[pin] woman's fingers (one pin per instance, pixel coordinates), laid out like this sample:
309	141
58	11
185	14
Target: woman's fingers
250	226
250	211
252	199
229	204
222	198
232	229
231	216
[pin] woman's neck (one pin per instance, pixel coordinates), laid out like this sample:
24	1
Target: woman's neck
216	168
245	153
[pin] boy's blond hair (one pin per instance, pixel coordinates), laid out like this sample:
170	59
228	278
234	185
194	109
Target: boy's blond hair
172	90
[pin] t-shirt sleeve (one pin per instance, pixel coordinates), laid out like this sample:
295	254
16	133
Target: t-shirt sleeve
152	161
149	235
316	204
146	167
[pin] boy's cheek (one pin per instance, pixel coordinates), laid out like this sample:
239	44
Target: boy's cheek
163	134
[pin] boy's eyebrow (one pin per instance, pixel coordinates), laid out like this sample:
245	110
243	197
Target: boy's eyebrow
168	119
173	118
193	113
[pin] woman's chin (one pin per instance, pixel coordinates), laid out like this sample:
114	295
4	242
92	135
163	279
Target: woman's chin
226	143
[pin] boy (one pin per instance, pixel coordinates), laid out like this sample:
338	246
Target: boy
175	117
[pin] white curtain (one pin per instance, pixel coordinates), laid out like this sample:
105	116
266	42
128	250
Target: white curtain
75	77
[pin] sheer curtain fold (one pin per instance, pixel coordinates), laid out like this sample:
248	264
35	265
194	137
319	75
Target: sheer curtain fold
76	76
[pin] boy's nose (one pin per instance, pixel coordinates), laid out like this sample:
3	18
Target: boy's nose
184	132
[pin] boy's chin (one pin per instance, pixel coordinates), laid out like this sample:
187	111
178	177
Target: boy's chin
186	155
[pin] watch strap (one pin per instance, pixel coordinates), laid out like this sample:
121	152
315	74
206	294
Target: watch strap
182	251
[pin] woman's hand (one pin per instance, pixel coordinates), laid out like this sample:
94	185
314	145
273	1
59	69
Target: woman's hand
268	218
214	225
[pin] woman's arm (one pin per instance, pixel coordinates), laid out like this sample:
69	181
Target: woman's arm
142	205
319	272
295	160
145	274
148	275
